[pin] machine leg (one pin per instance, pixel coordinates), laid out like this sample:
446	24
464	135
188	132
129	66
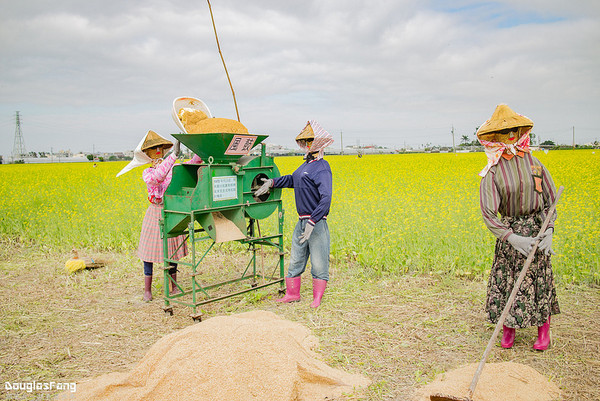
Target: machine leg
196	317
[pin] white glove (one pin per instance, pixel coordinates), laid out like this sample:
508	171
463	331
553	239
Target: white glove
176	147
521	244
307	232
264	188
545	244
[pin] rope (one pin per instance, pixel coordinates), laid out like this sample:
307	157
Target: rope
223	60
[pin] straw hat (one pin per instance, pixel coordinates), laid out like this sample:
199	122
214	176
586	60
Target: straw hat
153	139
140	157
502	119
307	133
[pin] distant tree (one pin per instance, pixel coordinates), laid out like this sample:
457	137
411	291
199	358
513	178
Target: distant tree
548	143
90	157
113	158
464	140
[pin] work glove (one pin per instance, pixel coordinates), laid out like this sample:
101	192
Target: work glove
307	232
264	188
521	244
176	148
545	244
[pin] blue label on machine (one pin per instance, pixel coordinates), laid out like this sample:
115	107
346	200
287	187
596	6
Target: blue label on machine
224	188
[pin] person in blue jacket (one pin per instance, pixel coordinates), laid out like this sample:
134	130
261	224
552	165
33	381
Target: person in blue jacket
312	183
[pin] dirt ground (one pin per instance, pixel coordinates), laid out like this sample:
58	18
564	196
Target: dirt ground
400	331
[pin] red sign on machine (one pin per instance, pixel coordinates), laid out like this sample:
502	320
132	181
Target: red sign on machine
240	145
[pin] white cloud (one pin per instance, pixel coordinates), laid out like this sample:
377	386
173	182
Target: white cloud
85	73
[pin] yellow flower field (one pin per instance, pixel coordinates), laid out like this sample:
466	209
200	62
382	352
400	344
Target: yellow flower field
396	213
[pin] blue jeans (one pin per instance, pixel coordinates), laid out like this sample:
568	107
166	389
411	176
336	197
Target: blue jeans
317	247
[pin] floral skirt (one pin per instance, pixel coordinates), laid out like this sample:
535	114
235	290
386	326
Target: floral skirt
536	299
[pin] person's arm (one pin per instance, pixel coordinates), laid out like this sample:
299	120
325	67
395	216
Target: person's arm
324	183
154	176
489	202
194	160
549	193
285	181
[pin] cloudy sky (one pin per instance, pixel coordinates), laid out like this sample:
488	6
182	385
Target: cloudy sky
96	75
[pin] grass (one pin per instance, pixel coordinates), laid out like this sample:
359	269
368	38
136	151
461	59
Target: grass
398	329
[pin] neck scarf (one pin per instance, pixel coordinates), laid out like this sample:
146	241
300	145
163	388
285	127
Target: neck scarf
494	150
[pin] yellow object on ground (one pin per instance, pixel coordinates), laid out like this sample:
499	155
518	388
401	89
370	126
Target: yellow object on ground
74	265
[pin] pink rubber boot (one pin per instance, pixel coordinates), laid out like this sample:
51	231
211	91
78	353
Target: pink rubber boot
292	289
508	337
543	337
318	290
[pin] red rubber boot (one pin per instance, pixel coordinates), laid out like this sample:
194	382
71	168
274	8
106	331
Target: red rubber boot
174	288
292	289
543	337
147	288
508	337
318	290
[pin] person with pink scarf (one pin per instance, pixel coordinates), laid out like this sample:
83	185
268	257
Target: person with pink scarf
516	192
312	183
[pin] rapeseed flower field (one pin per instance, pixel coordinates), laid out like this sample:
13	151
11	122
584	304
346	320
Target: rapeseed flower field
390	213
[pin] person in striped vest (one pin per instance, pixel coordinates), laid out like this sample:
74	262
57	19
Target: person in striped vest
516	192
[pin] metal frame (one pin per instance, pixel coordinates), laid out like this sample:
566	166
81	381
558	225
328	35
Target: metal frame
200	293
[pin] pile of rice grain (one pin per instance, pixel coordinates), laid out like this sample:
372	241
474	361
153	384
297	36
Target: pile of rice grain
197	122
498	381
250	356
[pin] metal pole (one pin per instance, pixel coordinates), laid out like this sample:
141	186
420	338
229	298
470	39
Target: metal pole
223	60
453	145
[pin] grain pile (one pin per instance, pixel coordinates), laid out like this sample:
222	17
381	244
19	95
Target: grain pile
250	356
197	122
498	381
190	117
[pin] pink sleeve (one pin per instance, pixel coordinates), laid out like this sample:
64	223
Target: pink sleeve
194	160
154	176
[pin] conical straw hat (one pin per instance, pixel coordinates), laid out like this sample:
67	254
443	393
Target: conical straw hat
306	133
153	139
502	119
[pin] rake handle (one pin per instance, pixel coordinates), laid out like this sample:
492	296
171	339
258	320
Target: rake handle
513	295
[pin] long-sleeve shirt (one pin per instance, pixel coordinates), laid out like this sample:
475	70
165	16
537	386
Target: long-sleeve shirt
158	178
509	188
313	186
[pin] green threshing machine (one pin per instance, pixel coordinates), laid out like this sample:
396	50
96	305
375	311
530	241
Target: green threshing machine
214	202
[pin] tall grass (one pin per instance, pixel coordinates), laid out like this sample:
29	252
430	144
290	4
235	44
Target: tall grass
390	213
